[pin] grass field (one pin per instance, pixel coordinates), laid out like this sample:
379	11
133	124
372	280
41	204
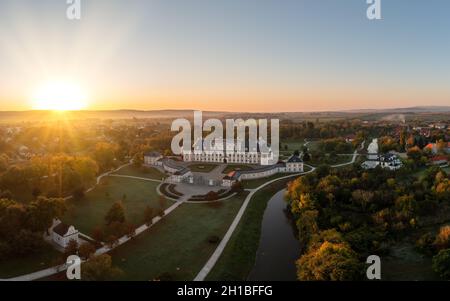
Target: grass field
141	172
232	167
202	167
239	255
177	247
29	264
135	194
340	159
292	146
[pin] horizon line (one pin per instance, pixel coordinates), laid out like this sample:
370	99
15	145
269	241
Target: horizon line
356	110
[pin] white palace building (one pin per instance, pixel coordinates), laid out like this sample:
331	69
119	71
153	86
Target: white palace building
229	151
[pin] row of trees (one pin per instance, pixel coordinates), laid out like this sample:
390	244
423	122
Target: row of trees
52	175
22	226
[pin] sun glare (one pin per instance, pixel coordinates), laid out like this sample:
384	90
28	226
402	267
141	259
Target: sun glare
59	96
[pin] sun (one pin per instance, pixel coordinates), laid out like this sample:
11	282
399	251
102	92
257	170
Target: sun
59	96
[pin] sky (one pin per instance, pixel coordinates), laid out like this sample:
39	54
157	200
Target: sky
228	55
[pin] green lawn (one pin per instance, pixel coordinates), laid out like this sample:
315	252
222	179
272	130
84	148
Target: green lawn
177	247
232	167
141	172
239	255
202	167
29	264
89	212
292	146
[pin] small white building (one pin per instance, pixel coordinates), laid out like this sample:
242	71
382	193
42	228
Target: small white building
294	164
388	161
62	234
152	158
180	175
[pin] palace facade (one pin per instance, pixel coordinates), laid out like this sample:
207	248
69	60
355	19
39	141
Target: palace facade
229	151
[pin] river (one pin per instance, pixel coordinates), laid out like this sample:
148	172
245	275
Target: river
278	248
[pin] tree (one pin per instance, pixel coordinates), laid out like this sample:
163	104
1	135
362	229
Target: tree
98	234
3	162
415	154
43	211
331	261
100	268
138	159
441	264
116	213
323	170
406	206
442	240
148	215
211	196
237	187
362	198
104	154
307	226
130	230
71	248
86	250
162	202
305	202
27	242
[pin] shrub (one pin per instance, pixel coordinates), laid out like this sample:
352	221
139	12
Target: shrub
443	238
441	264
213	239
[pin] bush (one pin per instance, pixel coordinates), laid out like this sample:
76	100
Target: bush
330	261
211	196
425	243
86	250
213	239
443	238
441	264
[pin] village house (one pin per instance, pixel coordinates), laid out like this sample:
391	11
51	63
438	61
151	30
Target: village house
350	138
439	161
389	161
434	149
62	234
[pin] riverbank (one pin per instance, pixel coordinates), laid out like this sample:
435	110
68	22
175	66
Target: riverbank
238	257
279	246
